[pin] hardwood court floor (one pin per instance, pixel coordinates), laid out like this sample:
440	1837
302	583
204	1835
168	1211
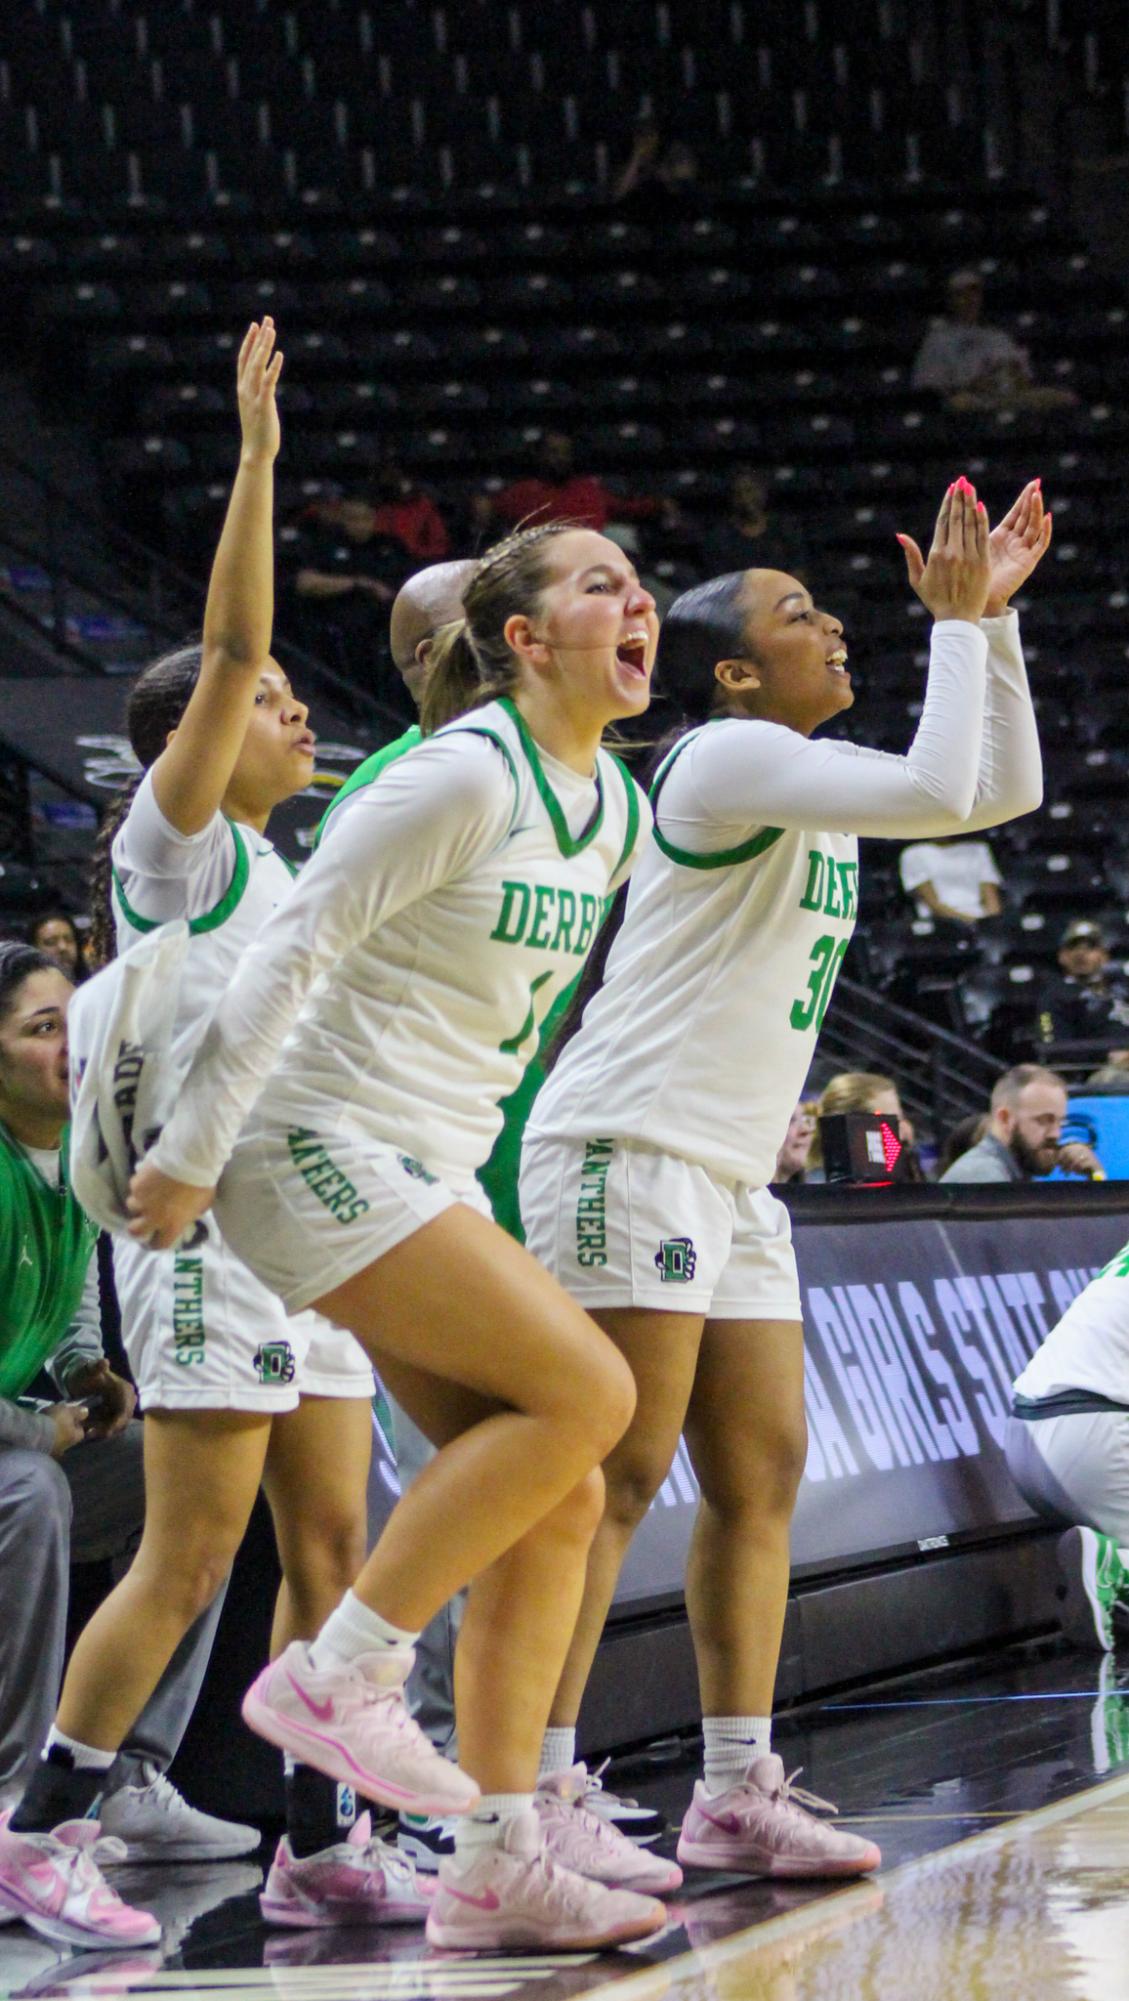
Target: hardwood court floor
998	1792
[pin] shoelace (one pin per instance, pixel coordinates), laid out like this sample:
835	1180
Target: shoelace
83	1861
595	1784
790	1794
371	1695
396	1868
164	1795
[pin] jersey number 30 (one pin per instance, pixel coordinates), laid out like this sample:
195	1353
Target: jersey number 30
827	955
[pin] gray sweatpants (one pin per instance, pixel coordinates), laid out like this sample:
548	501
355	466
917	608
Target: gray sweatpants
87	1506
1074	1469
431	1688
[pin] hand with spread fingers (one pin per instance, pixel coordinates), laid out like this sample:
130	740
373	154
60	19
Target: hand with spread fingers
257	376
1015	545
163	1210
955	580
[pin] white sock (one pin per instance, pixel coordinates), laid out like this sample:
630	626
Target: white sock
354	1630
558	1750
486	1826
86	1757
731	1745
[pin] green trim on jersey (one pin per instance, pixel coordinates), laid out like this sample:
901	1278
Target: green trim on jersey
632	834
209	920
565	842
746	851
370	769
46	1244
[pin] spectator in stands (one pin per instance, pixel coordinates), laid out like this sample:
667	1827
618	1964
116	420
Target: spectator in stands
557	492
346	578
657	172
1023	1137
954	880
867	1091
54	931
1111	1078
71	1482
746	537
406	515
1067	1446
967	1133
1088	999
974	367
792	1160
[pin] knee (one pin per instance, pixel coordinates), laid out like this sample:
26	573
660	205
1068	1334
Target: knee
611	1401
762	1477
35	1484
190	1581
326	1549
633	1480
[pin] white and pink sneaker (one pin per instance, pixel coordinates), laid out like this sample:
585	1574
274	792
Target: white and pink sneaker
353	1724
516	1899
578	1839
53	1882
765	1826
358	1881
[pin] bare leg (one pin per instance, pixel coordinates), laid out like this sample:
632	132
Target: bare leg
662	1350
461	1302
521	1610
747	1438
202	1472
314	1479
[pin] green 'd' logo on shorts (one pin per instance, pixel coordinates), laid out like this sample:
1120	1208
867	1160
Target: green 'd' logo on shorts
274	1362
676	1260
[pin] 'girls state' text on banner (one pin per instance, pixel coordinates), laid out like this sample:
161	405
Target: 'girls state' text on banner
915	1331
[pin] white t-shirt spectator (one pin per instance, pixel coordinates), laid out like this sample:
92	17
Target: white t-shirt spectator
956	870
953	356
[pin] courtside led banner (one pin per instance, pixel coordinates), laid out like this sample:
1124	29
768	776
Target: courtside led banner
915	1331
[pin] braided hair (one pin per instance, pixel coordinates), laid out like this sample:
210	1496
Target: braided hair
157	701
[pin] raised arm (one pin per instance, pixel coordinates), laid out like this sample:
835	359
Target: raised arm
747	774
192	774
429	819
1010	779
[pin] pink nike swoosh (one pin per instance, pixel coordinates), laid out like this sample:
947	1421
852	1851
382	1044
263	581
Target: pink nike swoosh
322	1710
490	1902
728	1822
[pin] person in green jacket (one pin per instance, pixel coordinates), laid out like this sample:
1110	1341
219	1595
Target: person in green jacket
71	1484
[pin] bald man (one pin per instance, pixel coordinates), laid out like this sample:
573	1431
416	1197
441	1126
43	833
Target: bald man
430	599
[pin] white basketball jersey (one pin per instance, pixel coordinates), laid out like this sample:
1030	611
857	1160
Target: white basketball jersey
226	881
701	1037
1089	1348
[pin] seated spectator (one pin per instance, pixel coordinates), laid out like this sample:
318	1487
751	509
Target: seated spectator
1023	1136
1067	1445
865	1091
974	367
557	492
54	931
746	538
1111	1078
965	1134
71	1480
657	172
792	1160
954	880
408	516
1088	999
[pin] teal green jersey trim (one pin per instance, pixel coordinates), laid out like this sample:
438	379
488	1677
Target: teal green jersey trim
366	772
565	842
209	920
746	851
